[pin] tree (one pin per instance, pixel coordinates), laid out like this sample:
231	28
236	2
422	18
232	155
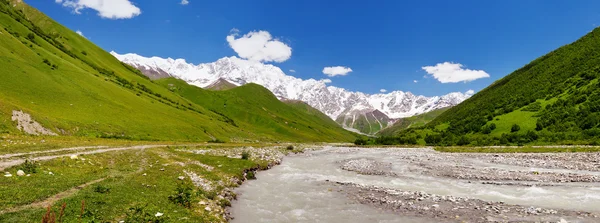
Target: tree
515	128
31	37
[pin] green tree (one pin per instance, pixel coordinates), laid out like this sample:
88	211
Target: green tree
515	128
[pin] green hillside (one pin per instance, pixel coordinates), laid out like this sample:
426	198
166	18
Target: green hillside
414	121
254	109
73	87
554	99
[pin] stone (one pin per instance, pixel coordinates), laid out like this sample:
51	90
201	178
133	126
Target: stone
73	157
20	173
181	178
7	174
207	208
435	206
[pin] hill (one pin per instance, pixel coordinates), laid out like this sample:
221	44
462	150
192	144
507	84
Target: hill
72	87
254	109
553	99
415	121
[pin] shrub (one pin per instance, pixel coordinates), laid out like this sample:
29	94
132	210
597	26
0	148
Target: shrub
290	147
250	175
216	141
515	128
101	189
28	167
140	214
245	155
360	142
182	196
84	53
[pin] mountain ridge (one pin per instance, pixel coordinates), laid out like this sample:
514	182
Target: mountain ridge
333	101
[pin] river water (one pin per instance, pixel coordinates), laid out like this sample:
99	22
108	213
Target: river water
300	189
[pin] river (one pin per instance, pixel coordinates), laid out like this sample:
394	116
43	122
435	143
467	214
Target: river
302	188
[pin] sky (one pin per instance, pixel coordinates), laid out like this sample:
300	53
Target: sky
426	47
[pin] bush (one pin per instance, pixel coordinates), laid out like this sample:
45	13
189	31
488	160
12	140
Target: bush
28	167
216	141
515	128
182	196
245	155
290	147
250	175
360	142
101	189
140	214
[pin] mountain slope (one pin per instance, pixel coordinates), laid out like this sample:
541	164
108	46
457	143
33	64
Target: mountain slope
333	101
415	121
72	87
255	109
555	98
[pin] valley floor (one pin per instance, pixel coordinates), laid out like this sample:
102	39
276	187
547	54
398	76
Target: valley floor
125	181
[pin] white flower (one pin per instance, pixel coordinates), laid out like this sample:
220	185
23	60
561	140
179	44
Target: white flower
158	214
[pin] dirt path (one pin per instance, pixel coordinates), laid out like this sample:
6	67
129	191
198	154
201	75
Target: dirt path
51	200
9	163
5	156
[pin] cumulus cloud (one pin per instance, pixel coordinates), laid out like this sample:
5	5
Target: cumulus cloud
470	92
110	9
293	71
382	90
80	33
415	81
336	71
327	81
448	72
259	46
185	2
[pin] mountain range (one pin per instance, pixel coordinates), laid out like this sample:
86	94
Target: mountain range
367	113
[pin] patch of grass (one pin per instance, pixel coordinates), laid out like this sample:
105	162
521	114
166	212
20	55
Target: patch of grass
29	167
183	195
245	155
523	149
138	189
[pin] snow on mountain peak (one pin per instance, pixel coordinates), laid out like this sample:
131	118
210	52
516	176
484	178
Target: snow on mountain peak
331	100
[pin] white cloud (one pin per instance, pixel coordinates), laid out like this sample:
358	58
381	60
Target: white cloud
453	73
470	92
185	2
110	9
337	70
293	71
382	90
327	81
415	81
259	46
80	33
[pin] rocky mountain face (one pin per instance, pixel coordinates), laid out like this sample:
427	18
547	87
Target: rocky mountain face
367	113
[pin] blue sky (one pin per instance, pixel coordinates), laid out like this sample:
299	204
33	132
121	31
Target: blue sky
385	43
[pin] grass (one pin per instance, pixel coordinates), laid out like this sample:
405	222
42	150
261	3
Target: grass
93	95
255	109
523	149
524	119
415	121
136	183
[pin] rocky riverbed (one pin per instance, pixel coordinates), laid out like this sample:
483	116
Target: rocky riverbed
422	185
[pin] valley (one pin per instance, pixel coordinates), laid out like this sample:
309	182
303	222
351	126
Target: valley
91	135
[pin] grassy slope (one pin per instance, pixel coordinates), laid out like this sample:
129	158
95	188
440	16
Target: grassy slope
254	108
415	121
92	94
565	85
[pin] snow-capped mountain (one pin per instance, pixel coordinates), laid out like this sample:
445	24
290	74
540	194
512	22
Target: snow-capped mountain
333	101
